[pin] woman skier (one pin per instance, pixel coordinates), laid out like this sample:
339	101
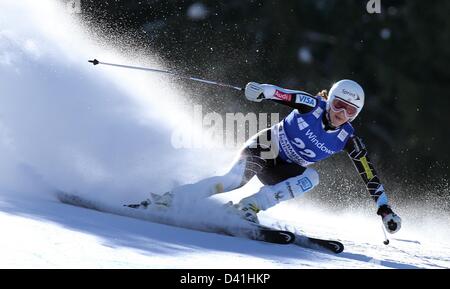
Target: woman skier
280	156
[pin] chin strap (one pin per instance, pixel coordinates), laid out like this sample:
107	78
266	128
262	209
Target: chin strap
327	121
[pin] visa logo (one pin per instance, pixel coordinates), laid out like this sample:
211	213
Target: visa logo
308	100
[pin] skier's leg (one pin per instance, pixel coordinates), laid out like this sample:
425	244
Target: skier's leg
270	195
256	156
252	160
239	174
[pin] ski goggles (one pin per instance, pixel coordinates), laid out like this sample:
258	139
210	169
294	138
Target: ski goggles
338	105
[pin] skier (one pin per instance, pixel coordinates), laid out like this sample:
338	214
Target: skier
280	156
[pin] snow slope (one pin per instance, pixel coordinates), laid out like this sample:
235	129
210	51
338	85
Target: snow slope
43	233
65	125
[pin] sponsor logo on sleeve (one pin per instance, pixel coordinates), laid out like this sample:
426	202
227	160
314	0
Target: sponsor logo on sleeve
283	96
307	100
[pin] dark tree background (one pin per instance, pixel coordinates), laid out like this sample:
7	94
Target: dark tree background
400	57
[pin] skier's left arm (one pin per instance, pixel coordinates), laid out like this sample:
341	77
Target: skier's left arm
302	101
357	152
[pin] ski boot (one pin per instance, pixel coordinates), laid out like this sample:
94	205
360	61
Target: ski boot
163	201
247	212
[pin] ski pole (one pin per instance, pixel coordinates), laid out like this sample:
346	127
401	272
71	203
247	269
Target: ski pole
95	62
386	240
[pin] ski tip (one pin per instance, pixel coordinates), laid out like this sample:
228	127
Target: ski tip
339	249
94	61
289	237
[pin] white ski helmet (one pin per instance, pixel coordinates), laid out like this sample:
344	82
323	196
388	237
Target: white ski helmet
348	91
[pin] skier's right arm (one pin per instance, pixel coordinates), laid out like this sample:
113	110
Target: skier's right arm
300	100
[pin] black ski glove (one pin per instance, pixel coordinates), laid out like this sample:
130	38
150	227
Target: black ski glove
392	222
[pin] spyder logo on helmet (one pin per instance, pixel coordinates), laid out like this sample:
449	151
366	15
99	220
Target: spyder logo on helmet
354	95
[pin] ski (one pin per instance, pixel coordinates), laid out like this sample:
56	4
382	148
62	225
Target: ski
252	232
301	240
265	234
319	244
304	241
